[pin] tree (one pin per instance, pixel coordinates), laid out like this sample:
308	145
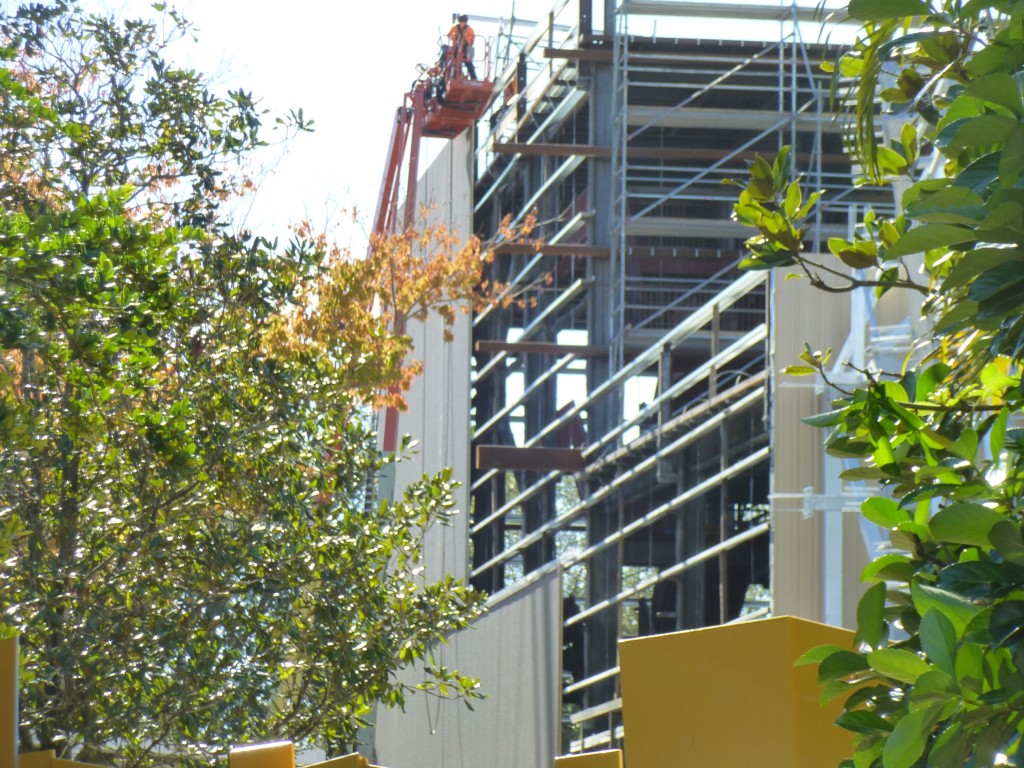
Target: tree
190	547
938	676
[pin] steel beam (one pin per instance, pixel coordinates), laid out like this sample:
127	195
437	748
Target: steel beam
507	457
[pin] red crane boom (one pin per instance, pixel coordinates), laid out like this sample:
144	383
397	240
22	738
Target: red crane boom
441	104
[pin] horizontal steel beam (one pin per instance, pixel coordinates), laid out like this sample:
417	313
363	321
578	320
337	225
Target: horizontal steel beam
540	348
745	12
649	153
579	54
668	573
507	457
569	249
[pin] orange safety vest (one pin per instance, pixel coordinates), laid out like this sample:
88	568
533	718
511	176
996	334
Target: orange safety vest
466	33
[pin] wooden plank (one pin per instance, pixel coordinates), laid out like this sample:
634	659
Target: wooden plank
562	249
529	459
540	348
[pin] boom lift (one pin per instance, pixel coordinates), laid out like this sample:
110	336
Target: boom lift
442	103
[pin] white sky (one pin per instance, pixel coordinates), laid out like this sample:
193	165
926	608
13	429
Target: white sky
347	64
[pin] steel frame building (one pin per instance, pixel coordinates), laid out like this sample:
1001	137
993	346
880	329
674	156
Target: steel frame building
624	401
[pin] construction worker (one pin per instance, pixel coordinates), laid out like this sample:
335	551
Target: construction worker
460	39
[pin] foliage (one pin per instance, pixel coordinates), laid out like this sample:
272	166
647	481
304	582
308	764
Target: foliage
189	545
938	677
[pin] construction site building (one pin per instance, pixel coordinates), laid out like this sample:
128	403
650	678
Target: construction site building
633	460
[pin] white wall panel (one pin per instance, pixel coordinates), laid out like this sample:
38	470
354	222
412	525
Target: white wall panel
515	650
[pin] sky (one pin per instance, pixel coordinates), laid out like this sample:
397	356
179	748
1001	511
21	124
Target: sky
346	64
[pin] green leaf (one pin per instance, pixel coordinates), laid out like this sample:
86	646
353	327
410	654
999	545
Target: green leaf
938	639
898	664
857	258
864	721
1007	622
882	10
950	747
965	446
782	169
825	419
997	435
799	370
890	567
929	236
952	205
980	174
965	523
1005	537
935	687
998	88
969	667
928	379
884	512
794	199
981	260
864	473
1012	160
955	608
818	654
906	743
871	627
977	580
840	664
981	131
961	313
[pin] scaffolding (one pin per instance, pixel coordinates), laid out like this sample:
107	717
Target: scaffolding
622	419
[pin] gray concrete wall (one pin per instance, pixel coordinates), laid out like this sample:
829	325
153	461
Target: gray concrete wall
438	414
515	651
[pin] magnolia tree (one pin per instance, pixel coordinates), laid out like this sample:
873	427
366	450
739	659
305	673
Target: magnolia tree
188	547
937	678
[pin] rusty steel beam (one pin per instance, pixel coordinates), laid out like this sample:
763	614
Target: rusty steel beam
529	459
561	249
578	54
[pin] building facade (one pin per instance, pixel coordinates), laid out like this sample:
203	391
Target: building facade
632	448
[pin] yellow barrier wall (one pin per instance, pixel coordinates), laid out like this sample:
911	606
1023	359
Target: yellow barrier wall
611	758
354	760
9	702
729	696
279	754
43	759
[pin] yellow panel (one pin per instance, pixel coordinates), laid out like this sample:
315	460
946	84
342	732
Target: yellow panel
42	759
611	758
727	696
279	754
354	760
61	763
9	702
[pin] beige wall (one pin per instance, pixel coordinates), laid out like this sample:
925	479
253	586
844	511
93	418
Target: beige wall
803	314
438	414
515	650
